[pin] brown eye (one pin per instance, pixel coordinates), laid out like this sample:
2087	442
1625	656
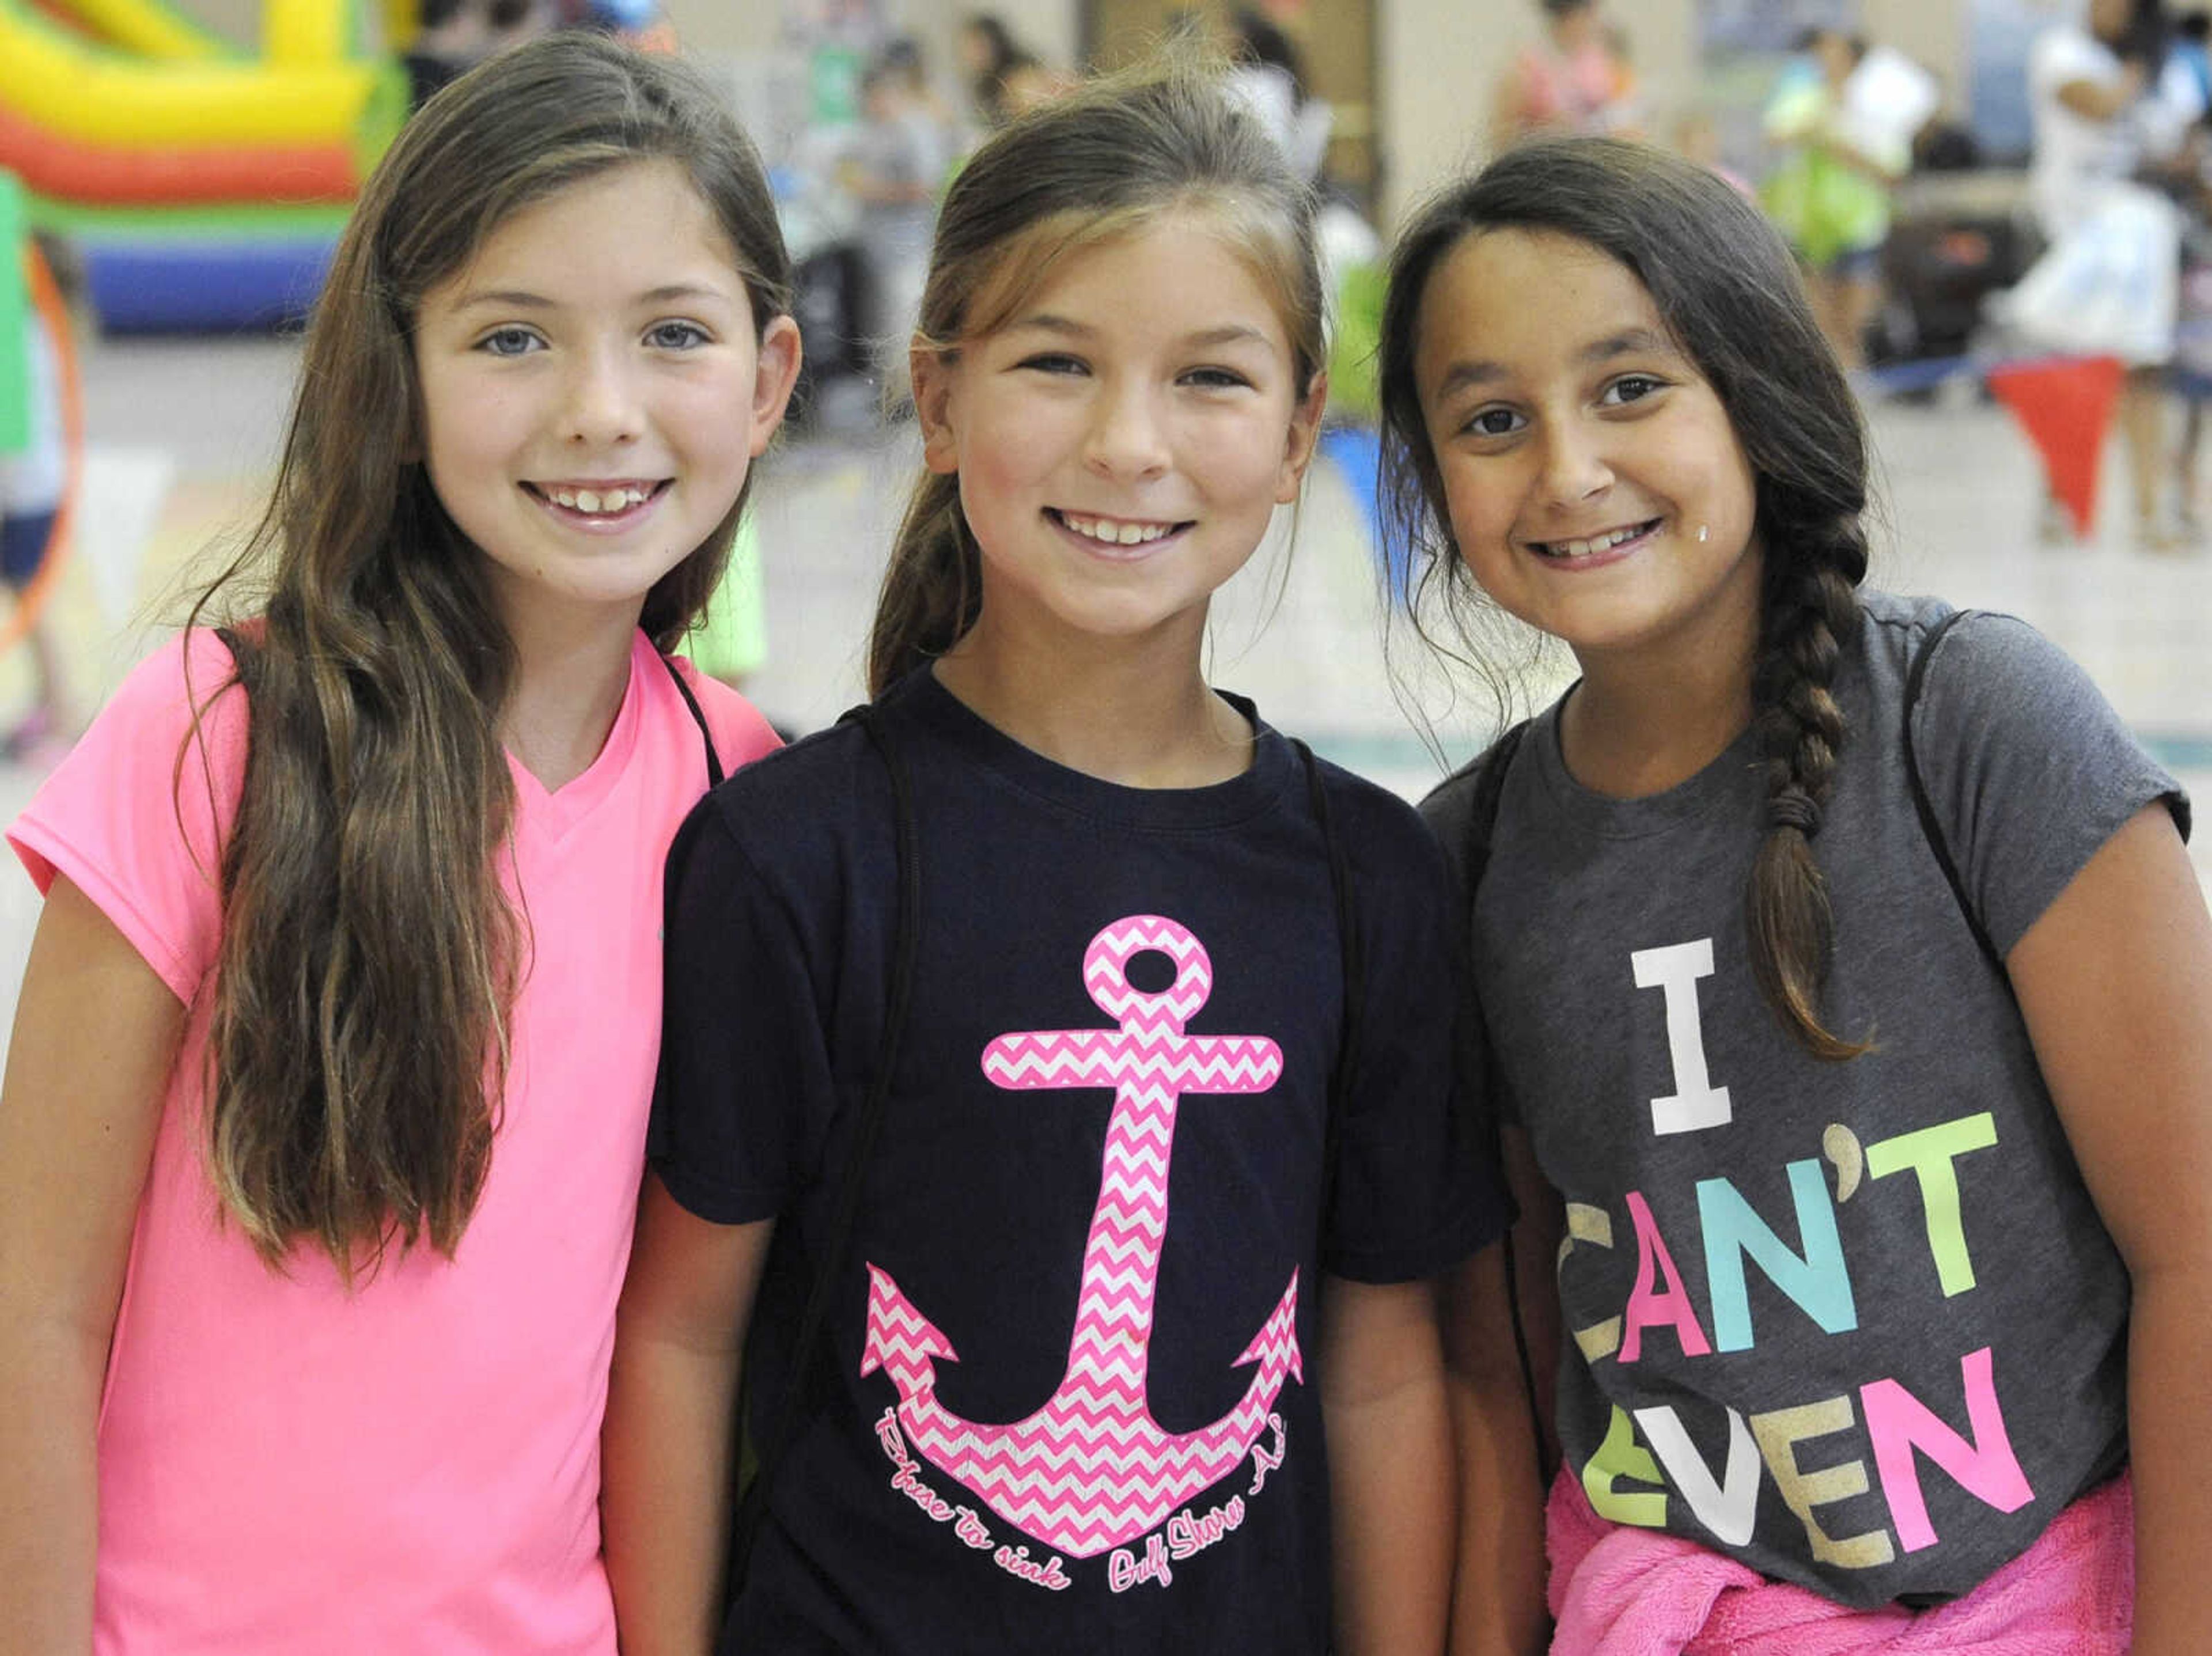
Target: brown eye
1631	388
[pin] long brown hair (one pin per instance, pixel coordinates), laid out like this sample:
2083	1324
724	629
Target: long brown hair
1111	158
1724	284
357	1044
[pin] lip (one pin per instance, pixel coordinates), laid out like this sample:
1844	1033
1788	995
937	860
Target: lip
600	523
1648	531
1114	551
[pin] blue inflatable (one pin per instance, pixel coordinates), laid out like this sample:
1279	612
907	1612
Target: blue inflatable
204	286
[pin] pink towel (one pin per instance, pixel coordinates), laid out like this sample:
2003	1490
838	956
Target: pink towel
1620	1590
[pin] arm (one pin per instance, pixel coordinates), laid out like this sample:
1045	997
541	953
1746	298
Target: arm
1864	162
668	1446
96	1031
1390	1462
2115	979
2102	100
1497	1585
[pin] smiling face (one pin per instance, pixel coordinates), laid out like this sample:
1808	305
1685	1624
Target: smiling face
593	391
1121	443
1595	486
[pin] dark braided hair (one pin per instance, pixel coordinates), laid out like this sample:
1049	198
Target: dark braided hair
1725	285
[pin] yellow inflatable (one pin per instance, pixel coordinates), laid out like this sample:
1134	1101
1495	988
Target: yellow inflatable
169	84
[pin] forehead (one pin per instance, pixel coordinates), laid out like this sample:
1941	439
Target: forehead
1175	276
1526	298
635	216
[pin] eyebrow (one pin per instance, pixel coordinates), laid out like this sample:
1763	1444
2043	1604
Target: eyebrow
518	299
1629	342
1231	333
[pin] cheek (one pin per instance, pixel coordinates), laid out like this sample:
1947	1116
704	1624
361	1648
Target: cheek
1238	459
1001	453
711	414
1734	492
1477	504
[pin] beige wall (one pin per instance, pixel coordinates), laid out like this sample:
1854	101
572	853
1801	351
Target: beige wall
1442	59
1437	61
1935	33
1050	28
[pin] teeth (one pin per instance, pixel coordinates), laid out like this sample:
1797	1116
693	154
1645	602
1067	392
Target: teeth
1603	542
598	500
1116	534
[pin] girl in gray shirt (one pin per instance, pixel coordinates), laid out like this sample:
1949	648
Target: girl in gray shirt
1844	986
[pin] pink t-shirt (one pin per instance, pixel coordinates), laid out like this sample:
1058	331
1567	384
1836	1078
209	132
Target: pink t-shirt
415	1468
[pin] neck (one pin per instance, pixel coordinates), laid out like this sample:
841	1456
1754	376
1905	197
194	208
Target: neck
1141	716
571	673
1640	722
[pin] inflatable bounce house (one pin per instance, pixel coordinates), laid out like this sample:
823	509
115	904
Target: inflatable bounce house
203	187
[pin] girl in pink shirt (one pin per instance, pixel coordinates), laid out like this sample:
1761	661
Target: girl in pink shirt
321	1132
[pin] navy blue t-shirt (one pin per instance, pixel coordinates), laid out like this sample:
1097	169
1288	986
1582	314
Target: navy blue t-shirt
1070	1399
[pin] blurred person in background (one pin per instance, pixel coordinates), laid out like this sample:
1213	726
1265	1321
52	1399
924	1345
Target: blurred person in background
2105	116
34	487
1572	80
1004	78
896	163
1830	195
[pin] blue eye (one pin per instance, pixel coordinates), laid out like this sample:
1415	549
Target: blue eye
678	335
509	341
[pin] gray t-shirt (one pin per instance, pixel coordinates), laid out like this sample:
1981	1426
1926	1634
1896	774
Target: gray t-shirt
1855	1324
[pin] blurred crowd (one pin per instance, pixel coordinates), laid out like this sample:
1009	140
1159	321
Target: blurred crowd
1925	259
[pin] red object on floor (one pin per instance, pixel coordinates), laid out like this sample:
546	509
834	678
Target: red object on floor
2065	405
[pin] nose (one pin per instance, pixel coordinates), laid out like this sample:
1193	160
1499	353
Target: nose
1574	464
1127	437
601	404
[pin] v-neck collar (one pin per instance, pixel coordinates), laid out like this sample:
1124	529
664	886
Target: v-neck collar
556	812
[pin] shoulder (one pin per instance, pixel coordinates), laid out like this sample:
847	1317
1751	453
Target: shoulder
183	698
188	674
1979	661
740	733
1451	808
1385	841
137	815
1895	627
792	813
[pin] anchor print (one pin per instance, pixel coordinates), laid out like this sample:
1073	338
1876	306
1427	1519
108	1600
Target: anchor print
1092	1470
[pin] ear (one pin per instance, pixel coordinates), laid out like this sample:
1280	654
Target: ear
1305	432
932	377
775	371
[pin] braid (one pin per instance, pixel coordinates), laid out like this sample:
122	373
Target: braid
1812	611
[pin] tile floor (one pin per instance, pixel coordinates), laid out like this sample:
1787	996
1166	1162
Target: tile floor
182	435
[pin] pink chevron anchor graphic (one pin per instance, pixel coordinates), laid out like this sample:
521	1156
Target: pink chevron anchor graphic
1092	1470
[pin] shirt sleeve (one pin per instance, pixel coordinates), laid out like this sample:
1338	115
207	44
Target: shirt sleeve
1416	1185
137	814
2028	769
744	1063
